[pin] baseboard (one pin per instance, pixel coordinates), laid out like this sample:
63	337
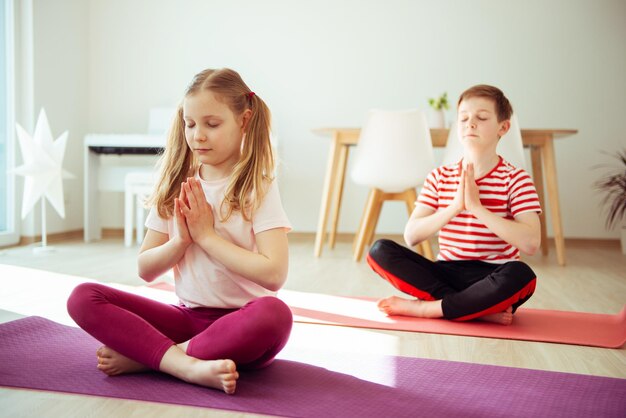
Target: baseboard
343	237
349	237
65	236
112	232
596	242
51	238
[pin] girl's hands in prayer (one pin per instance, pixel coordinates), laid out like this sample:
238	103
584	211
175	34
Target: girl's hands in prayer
197	211
182	231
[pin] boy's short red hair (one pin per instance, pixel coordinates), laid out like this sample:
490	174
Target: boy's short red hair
504	110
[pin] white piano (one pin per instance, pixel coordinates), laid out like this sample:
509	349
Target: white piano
99	179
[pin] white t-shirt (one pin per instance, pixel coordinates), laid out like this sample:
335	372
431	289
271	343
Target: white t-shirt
202	281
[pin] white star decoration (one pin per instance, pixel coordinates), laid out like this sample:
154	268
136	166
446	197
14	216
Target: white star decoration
43	166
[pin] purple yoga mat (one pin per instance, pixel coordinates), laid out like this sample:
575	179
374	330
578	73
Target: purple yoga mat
39	354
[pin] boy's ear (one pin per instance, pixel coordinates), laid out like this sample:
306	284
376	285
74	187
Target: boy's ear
505	125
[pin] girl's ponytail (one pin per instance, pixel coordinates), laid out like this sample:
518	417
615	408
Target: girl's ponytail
255	169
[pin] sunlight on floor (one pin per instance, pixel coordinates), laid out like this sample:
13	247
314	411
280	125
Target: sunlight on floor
341	340
36	292
33	292
320	306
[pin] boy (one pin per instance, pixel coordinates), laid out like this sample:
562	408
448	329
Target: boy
485	210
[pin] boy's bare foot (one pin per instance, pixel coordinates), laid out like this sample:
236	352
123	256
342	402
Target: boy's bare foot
502	318
113	363
395	305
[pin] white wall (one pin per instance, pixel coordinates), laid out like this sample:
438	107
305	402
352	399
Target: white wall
325	63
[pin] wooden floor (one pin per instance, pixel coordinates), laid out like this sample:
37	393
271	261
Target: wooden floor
594	280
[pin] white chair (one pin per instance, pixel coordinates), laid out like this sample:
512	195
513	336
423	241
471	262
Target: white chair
510	146
138	185
393	157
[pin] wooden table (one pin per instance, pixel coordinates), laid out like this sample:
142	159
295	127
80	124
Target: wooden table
540	142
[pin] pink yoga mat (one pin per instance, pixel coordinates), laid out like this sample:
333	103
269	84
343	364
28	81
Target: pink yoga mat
579	328
544	325
39	354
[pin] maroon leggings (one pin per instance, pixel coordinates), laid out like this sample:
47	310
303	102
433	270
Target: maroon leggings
143	329
467	289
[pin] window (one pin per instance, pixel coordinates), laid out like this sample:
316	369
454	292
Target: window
8	220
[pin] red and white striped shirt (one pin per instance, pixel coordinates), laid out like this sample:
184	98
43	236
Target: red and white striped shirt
506	191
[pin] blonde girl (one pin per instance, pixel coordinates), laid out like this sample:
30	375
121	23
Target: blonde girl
217	221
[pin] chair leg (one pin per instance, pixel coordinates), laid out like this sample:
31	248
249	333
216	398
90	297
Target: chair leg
363	220
409	197
423	247
427	250
128	217
361	238
374	225
140	218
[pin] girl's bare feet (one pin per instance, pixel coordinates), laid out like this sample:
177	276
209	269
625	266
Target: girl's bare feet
113	363
502	318
217	374
395	305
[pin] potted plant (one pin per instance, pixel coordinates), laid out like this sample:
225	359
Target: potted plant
613	186
438	105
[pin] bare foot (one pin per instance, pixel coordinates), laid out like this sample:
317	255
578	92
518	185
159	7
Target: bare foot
502	318
395	305
217	374
113	363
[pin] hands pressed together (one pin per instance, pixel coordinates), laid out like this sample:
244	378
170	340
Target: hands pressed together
467	195
193	215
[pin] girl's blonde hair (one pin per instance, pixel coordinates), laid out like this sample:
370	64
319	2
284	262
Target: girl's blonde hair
254	171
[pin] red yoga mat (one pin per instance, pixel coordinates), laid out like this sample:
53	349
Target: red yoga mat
544	325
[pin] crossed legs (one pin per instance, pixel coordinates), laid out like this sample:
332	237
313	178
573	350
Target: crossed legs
203	346
459	290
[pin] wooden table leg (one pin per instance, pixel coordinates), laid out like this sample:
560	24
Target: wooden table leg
340	175
374	202
549	165
327	193
535	155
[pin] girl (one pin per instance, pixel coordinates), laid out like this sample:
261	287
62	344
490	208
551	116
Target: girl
485	210
218	221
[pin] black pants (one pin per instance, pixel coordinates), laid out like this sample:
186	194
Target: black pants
468	289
